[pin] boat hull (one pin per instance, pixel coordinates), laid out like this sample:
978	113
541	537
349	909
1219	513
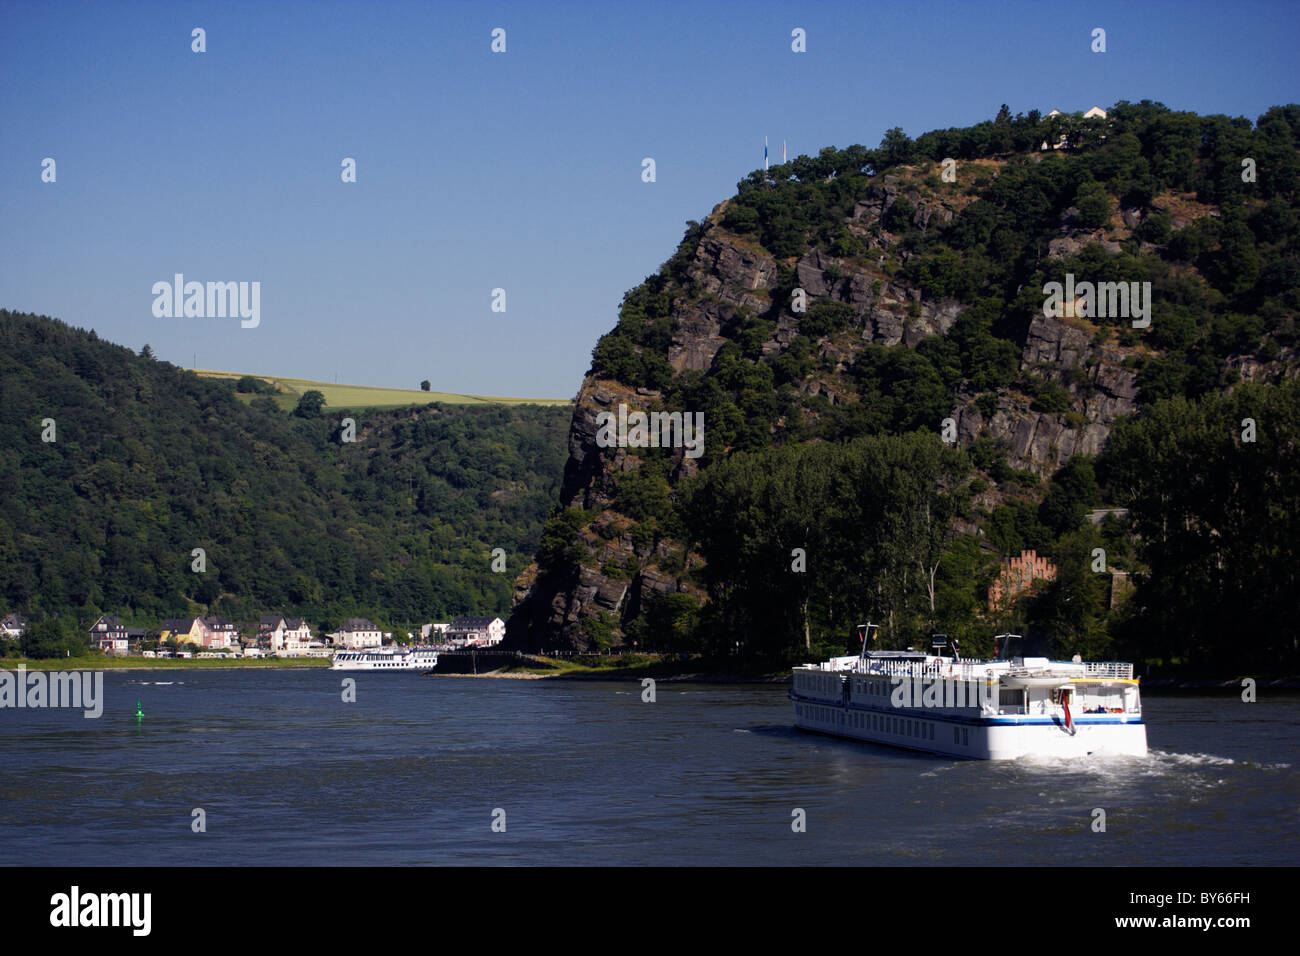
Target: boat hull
977	738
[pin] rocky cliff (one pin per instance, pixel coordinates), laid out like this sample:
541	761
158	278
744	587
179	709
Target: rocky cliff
723	287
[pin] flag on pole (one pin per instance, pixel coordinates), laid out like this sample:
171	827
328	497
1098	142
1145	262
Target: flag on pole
764	154
782	152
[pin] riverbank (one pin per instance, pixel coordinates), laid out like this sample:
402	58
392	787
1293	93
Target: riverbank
620	675
641	666
165	663
631	667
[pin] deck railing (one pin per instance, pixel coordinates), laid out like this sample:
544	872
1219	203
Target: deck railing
1109	669
961	670
973	669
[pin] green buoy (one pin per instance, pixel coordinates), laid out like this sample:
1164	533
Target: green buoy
139	711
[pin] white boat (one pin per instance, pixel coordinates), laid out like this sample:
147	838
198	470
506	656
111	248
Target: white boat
385	659
997	709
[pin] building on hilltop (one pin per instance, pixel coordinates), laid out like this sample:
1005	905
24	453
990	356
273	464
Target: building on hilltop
1095	113
1018	576
12	626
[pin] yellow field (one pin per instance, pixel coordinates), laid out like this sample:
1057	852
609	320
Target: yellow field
363	396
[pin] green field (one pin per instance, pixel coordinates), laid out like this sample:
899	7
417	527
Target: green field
289	390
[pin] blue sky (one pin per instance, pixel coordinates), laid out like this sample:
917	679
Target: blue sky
477	170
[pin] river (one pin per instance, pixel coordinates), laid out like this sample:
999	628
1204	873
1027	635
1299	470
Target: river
418	769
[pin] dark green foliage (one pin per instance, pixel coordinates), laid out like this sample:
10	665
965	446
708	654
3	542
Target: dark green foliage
896	149
248	384
310	404
1217	519
900	391
1070	612
558	554
1094	204
988	362
1072	492
52	637
642	494
825	318
741	219
599	629
899	216
1155	229
152	461
1015	527
872	517
1049	397
669	622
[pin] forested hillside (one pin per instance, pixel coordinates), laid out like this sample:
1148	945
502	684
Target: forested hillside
149	462
885	391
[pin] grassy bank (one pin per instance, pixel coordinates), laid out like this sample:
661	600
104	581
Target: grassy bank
102	663
638	666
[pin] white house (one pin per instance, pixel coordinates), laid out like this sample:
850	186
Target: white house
286	636
477	630
434	633
357	632
1095	113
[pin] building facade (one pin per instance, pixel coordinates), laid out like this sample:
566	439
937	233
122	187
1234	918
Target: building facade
478	631
286	636
357	632
1018	576
112	636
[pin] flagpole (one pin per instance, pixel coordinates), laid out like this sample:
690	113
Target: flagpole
764	154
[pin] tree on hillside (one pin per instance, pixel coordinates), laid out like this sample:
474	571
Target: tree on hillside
426	385
50	637
249	384
896	148
1214	498
146	352
310	404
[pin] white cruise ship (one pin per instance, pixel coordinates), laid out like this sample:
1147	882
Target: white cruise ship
385	659
996	709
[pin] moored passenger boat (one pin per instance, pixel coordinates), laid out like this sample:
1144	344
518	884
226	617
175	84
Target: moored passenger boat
385	659
995	709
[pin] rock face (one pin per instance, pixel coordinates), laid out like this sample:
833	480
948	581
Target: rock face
611	581
1101	389
727	280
